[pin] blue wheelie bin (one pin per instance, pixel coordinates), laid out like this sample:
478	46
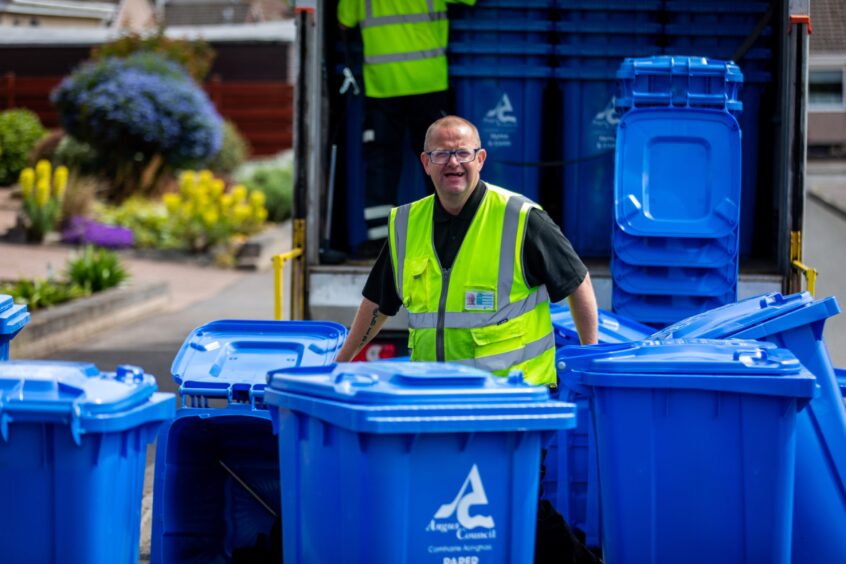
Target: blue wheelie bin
410	462
696	446
13	318
570	480
796	323
216	493
73	446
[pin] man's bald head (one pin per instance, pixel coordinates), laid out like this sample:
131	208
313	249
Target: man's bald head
451	121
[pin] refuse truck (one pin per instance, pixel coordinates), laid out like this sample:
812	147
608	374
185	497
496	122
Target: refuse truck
540	80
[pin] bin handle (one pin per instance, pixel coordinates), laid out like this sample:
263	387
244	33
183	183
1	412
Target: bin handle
345	380
749	357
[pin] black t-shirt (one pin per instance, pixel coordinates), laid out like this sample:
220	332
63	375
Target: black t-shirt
548	257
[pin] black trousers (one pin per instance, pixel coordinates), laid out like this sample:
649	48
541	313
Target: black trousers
386	122
555	542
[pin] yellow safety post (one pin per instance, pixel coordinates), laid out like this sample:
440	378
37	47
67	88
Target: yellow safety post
796	262
297	278
278	271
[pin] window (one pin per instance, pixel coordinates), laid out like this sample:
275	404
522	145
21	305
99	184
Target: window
825	89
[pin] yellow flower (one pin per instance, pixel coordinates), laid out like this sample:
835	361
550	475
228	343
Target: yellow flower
261	215
43	169
239	193
27	181
226	202
241	213
171	202
60	181
187	180
210	217
257	198
42	192
206	177
217	187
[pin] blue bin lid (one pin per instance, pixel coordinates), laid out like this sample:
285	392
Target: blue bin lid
675	251
658	146
515	24
78	394
730	319
612	328
511	48
608	5
499	71
235	351
840	374
739	366
611	28
711	7
417	397
676	65
12	317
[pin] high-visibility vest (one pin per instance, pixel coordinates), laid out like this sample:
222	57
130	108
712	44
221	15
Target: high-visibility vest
480	312
405	44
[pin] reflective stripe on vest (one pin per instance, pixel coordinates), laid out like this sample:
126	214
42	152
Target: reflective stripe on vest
507	360
404	57
461	320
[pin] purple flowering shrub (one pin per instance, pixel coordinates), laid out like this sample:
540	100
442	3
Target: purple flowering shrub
143	115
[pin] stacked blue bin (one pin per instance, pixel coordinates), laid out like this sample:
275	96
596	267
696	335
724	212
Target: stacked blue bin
593	39
696	447
677	189
499	68
717	29
13	318
73	446
216	493
410	462
796	323
570	481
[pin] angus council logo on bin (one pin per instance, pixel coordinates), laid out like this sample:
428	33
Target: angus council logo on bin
455	516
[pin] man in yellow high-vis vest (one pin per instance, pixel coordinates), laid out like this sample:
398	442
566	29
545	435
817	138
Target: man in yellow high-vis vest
476	266
405	86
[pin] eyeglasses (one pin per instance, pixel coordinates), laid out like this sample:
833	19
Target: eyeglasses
441	156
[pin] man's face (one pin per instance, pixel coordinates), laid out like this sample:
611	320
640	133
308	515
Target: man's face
453	180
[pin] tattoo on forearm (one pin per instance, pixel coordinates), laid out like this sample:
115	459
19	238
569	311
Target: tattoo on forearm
369	330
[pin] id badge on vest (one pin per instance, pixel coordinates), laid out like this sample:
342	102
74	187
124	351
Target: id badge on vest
479	299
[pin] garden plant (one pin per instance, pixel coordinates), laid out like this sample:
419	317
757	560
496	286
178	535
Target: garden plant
20	130
43	191
90	271
143	115
202	216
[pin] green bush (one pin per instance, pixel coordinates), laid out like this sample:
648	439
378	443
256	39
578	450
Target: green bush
277	183
95	270
233	152
196	56
41	293
76	155
20	130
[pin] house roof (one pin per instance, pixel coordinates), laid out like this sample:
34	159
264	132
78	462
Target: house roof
205	12
273	32
67	8
828	21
